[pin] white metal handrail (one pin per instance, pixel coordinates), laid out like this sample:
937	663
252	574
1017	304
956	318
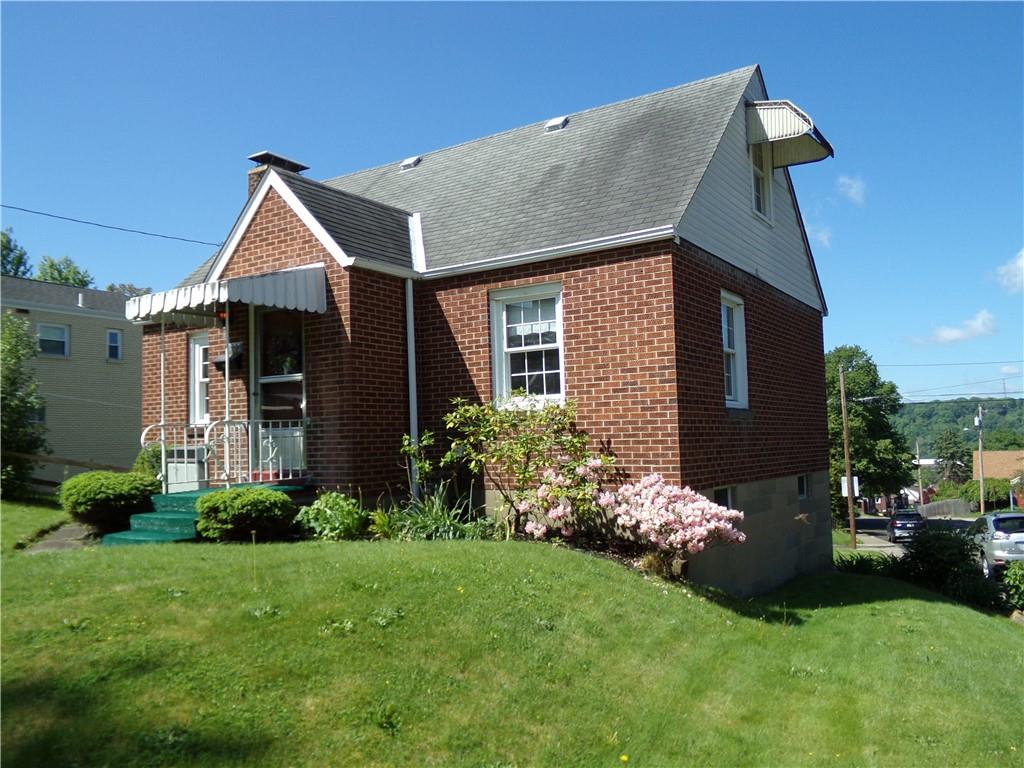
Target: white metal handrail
228	451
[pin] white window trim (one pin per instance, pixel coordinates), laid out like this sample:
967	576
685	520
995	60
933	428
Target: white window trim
120	345
67	340
740	334
768	173
500	381
195	342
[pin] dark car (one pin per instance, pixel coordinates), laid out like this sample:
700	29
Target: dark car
905	524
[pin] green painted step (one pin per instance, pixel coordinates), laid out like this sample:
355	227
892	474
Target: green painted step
143	537
165	522
185	501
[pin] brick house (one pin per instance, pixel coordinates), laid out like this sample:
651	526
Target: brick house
646	258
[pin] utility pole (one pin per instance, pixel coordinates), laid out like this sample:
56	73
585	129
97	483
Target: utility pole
920	485
846	454
979	423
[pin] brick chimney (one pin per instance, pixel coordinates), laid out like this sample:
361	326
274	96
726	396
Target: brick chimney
266	160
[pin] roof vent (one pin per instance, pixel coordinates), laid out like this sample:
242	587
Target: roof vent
556	124
411	162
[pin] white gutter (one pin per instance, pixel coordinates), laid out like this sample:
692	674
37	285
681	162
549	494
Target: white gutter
557	251
410	351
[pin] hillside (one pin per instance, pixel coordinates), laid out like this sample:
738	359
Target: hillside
1004	422
483	654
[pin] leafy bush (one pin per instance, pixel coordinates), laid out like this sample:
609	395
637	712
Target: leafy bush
335	517
933	557
107	499
385	523
1013	581
148	461
20	401
432	516
535	457
672	519
997	492
234	514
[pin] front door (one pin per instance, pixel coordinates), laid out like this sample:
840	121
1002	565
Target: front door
279	401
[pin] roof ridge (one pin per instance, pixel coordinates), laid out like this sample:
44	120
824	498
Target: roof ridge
61	285
750	67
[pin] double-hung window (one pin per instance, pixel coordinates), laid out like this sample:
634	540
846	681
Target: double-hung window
761	168
734	350
115	345
526	339
54	340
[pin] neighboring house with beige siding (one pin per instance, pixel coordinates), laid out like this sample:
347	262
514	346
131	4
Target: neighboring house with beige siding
89	369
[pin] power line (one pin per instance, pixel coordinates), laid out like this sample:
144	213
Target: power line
110	226
954	386
970	394
931	365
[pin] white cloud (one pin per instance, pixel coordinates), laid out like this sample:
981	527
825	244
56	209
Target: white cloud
982	324
1010	370
1011	274
852	188
820	235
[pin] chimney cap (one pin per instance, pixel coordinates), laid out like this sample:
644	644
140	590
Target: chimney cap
277	161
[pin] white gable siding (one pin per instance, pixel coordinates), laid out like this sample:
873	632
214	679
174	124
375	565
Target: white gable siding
721	220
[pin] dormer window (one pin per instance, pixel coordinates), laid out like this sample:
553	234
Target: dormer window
761	168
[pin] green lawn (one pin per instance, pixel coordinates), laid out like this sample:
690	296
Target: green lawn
484	654
23	521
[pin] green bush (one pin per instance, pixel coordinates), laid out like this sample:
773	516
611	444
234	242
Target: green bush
972	588
997	492
432	517
148	461
934	558
235	514
335	517
106	500
1013	581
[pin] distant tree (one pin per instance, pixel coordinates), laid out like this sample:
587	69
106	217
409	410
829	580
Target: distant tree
878	452
953	456
1004	440
63	271
13	258
128	290
20	403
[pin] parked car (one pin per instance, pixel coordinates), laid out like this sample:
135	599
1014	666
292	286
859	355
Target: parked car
905	524
1001	538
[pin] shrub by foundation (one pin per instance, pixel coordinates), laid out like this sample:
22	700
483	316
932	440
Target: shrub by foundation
235	514
106	500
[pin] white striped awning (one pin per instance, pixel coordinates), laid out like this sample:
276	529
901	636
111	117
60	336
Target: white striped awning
790	131
304	289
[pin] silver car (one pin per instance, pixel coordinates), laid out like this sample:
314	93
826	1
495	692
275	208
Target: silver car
1001	538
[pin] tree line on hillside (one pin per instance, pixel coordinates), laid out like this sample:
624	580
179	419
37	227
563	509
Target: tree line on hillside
14	262
1004	423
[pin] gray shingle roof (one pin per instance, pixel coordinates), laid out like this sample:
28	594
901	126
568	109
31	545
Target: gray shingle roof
199	274
614	169
365	229
18	289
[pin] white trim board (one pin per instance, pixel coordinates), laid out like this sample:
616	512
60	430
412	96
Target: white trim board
272	180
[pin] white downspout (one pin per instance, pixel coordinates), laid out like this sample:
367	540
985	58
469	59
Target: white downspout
410	348
227	393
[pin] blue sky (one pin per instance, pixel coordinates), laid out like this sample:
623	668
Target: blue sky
141	115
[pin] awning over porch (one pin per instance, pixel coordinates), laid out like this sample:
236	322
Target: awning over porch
304	289
790	131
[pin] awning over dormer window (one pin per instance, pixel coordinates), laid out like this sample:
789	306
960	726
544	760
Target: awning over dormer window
304	289
789	130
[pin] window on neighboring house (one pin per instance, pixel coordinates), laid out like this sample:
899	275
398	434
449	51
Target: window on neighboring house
39	415
734	351
761	168
526	341
801	486
115	347
199	378
54	340
723	497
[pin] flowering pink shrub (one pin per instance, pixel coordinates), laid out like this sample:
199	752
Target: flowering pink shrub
568	492
672	518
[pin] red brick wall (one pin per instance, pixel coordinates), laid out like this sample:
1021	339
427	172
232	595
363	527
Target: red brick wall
619	347
176	375
784	430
